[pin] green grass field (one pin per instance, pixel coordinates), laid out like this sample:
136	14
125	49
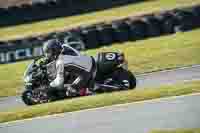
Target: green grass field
106	99
177	131
144	56
148	6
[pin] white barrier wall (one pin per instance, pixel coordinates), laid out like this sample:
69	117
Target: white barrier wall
41	1
20	54
8	3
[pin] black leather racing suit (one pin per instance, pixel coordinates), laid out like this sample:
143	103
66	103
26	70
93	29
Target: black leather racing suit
70	61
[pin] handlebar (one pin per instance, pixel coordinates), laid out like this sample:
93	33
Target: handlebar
38	70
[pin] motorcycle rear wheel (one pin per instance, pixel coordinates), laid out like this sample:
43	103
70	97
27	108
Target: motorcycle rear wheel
125	77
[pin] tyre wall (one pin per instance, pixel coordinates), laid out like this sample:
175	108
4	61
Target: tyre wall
50	9
106	33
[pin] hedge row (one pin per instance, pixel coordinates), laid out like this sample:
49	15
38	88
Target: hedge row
51	9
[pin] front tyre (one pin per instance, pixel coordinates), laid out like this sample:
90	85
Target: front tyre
27	97
35	97
125	78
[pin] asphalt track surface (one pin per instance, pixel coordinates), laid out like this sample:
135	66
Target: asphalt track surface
141	117
155	79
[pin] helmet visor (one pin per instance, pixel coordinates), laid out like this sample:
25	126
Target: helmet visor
48	53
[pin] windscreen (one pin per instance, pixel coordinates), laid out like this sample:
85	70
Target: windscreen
29	69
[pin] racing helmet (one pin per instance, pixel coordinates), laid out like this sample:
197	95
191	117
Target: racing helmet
52	48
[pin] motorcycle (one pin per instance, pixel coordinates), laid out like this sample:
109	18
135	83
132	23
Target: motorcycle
112	75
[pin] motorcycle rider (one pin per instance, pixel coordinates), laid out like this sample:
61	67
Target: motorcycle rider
67	61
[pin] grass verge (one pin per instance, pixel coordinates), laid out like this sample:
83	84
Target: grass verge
47	26
143	56
100	101
178	131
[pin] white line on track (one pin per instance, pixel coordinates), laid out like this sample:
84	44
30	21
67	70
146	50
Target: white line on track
168	70
105	107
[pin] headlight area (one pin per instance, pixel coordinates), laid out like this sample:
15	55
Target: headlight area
28	79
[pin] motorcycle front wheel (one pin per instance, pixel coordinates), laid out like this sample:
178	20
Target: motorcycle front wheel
26	97
30	97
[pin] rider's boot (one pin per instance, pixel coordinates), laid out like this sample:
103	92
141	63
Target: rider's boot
71	91
89	91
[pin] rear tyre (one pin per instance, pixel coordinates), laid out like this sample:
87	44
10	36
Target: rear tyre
125	77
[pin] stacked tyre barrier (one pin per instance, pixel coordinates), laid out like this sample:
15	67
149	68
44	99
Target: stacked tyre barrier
139	27
106	33
26	13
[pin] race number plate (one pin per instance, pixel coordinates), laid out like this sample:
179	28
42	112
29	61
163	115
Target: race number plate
110	56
